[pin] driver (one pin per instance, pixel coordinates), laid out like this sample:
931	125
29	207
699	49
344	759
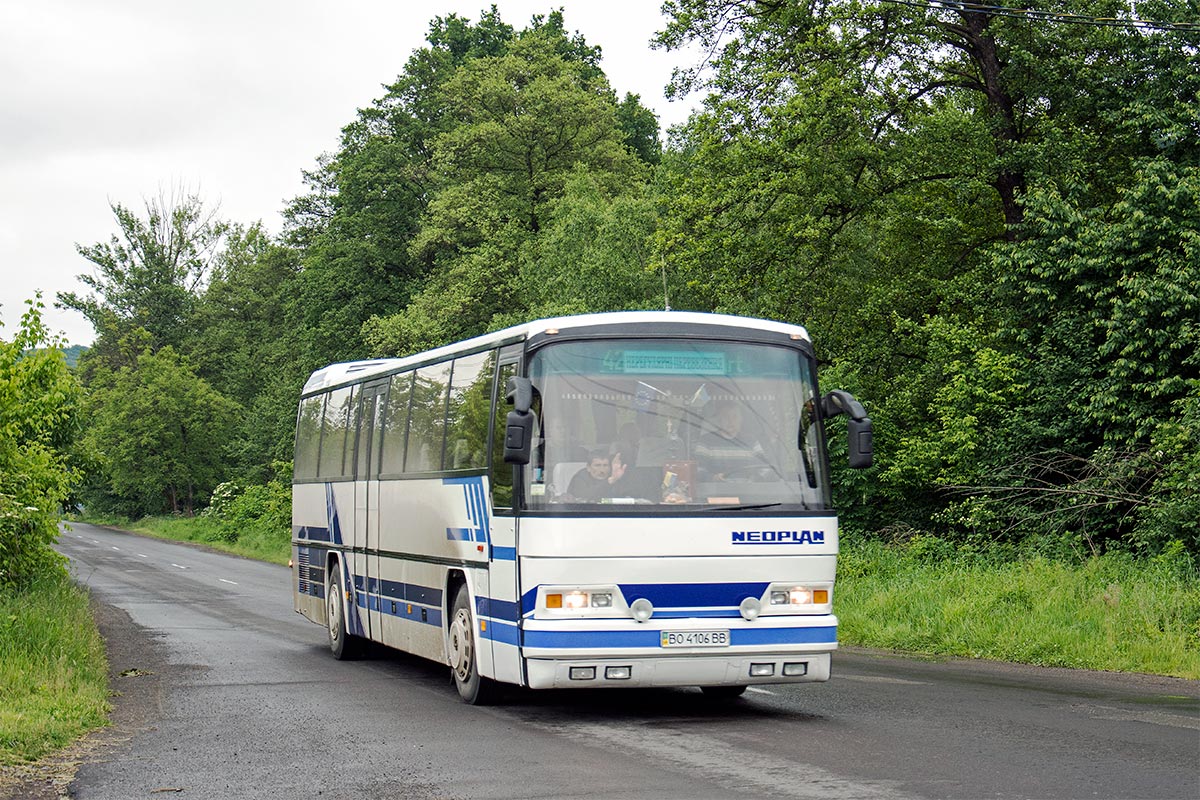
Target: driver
727	449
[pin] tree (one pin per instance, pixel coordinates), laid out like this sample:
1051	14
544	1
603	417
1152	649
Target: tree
240	319
640	126
247	346
39	411
523	122
869	169
594	254
160	433
148	275
357	225
1105	304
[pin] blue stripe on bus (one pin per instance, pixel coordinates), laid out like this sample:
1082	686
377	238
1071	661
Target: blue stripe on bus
501	632
715	596
315	533
713	613
331	513
692	595
395	590
504	553
650	638
398	608
492	608
747	636
591	639
476	507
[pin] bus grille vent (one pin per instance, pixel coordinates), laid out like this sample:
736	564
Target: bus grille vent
302	571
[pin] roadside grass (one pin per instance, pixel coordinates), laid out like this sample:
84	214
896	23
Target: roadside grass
259	541
53	669
1110	612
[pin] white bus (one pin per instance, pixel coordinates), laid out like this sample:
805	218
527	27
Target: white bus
605	500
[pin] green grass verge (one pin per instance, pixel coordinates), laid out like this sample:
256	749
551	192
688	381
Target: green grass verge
53	670
1111	612
262	542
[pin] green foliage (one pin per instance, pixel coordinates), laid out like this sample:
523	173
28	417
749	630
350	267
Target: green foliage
595	253
160	433
640	126
262	508
1001	265
1104	311
39	405
147	277
53	670
517	125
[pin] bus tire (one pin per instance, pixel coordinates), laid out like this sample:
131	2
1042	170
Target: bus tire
344	646
723	692
460	648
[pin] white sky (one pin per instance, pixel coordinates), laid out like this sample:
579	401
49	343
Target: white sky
117	100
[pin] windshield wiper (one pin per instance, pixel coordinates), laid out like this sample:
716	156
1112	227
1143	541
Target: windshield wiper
742	508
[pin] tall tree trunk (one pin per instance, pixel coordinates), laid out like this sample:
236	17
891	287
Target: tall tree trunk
1009	180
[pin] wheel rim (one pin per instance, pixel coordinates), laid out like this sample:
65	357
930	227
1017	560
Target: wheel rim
461	656
335	614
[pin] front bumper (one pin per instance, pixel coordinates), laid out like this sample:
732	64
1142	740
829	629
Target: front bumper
796	648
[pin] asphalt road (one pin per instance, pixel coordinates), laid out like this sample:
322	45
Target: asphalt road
247	703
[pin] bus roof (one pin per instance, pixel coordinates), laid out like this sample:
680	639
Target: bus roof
356	371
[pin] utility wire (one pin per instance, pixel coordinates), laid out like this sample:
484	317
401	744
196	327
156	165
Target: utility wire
1033	15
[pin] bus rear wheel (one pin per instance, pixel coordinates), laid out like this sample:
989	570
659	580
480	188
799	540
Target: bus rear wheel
343	646
460	647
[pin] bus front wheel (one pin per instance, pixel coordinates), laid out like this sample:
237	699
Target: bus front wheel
461	643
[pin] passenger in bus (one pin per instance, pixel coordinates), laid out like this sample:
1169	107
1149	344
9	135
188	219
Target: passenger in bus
594	481
728	450
606	477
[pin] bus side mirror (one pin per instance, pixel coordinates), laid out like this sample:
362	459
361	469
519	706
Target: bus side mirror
862	452
518	427
518	437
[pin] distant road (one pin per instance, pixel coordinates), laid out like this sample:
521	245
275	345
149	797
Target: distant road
250	705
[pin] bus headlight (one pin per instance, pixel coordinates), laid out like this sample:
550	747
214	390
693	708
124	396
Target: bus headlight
798	598
575	601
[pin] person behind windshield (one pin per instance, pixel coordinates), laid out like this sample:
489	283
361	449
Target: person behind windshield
727	450
594	481
604	477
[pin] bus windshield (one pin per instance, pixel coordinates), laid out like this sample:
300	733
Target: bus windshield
667	423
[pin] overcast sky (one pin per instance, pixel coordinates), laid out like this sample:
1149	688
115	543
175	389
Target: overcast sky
116	100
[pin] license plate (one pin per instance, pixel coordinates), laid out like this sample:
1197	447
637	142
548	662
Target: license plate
695	638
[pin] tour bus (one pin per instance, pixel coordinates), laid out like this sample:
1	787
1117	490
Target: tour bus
605	500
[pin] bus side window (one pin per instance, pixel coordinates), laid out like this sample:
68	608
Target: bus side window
370	430
502	473
395	424
468	411
308	436
339	419
427	423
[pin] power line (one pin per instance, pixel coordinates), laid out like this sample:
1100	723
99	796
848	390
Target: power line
1033	15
